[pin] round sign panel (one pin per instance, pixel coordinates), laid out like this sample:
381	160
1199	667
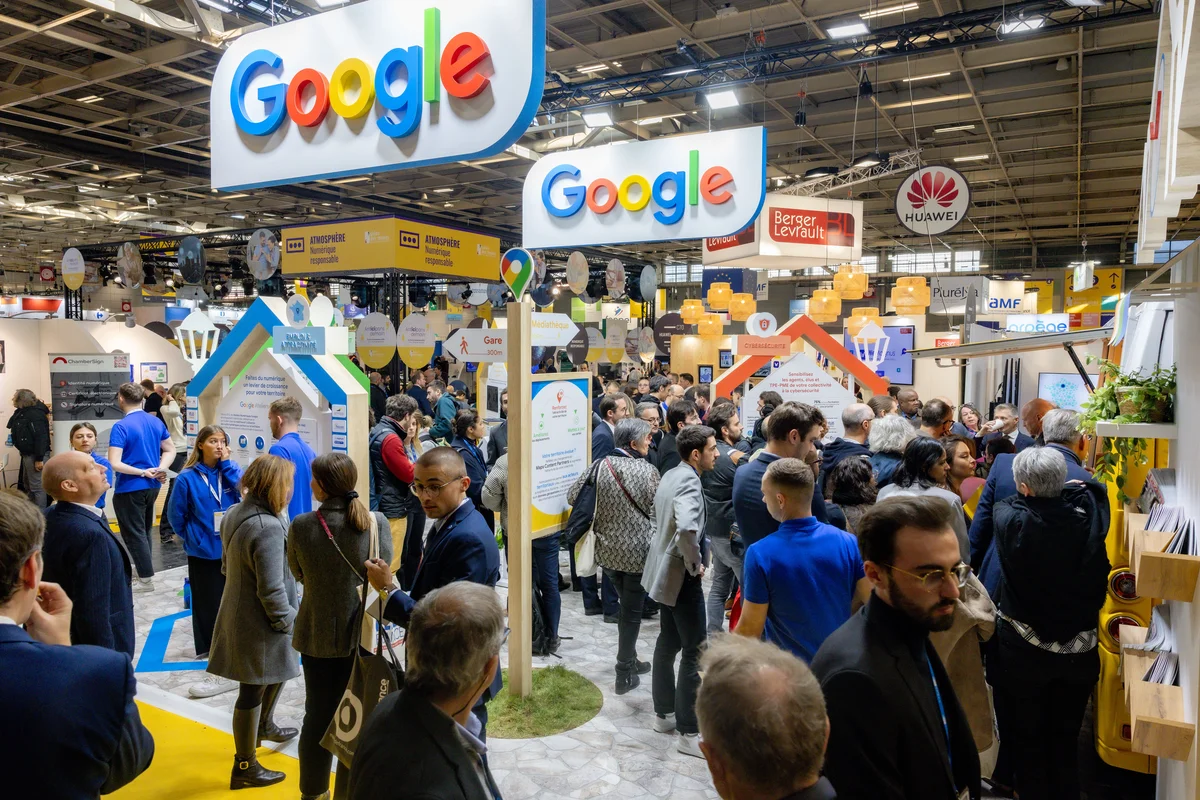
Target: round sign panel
73	269
933	200
577	348
375	340
577	272
647	348
262	254
761	324
497	295
129	261
595	344
415	341
633	344
321	311
190	260
299	311
668	325
648	282
458	293
614	279
542	295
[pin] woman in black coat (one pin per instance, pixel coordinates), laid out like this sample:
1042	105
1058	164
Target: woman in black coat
29	427
469	431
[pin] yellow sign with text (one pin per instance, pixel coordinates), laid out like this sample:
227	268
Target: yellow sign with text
383	243
1101	295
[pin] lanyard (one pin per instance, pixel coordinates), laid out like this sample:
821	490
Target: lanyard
942	710
216	493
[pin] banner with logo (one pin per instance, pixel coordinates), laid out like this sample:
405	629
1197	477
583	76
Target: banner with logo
802	379
793	232
949	295
561	416
83	388
392	86
373	245
676	187
933	200
1038	323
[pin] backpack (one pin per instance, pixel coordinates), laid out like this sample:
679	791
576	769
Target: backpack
24	434
541	637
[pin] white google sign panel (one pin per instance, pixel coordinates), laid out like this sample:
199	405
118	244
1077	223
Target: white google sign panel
679	187
376	86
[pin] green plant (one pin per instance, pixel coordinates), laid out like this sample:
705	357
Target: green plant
1125	398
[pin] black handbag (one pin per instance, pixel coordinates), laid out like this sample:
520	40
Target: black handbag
583	513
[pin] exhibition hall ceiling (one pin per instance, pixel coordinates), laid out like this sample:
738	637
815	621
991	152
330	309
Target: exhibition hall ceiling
104	118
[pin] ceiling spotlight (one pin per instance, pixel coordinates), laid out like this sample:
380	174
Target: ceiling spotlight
865	90
684	49
870	160
597	119
820	172
1019	25
847	29
801	119
1062	65
725	98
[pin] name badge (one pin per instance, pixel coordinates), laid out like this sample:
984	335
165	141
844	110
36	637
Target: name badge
217	517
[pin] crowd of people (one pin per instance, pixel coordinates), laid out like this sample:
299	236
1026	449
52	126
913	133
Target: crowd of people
866	590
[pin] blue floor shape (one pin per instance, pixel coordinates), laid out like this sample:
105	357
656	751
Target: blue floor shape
155	649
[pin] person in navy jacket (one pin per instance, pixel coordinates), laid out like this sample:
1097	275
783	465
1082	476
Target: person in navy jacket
75	729
469	430
460	547
83	556
83	440
1060	427
207	486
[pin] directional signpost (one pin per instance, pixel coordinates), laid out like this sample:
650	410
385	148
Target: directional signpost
477	345
553	330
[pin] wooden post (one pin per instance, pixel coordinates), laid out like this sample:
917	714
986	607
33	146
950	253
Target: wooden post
520	499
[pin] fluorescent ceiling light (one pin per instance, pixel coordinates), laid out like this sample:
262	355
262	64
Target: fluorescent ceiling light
238	216
656	120
683	71
91	98
725	98
883	12
345	181
1022	25
979	157
217	6
846	30
443	191
235	196
593	68
927	77
597	119
324	3
953	128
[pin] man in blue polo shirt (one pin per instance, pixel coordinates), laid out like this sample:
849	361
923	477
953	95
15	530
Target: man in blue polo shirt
284	416
140	450
805	579
793	429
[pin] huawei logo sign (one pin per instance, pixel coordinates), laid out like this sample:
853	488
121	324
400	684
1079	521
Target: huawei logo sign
933	187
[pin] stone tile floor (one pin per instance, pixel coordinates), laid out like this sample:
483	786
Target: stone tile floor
616	754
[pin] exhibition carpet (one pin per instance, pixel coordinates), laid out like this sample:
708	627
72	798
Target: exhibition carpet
193	760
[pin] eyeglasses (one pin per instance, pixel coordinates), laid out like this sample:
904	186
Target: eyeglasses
931	579
420	489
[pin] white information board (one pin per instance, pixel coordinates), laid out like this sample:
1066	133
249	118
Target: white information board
802	380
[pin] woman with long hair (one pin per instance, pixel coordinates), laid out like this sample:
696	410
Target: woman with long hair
923	472
326	551
252	642
469	431
206	488
83	440
29	427
851	492
960	463
172	415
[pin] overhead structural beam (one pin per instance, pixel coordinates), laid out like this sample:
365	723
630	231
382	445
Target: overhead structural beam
951	32
905	161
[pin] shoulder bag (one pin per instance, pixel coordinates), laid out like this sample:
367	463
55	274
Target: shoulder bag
580	530
625	491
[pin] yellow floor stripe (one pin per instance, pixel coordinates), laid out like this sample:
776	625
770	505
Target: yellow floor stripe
192	762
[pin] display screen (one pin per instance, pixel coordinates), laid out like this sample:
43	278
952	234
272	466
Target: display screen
1064	389
706	374
726	358
896	364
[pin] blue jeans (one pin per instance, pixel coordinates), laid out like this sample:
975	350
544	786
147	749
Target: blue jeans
607	595
545	576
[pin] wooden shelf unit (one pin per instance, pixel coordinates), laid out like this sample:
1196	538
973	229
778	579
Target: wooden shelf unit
1159	727
1138	430
1165	576
1134	663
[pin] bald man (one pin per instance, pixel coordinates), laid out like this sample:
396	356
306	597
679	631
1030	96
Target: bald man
910	406
856	427
84	556
1031	417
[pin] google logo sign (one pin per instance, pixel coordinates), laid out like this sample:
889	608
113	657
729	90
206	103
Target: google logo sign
672	192
353	88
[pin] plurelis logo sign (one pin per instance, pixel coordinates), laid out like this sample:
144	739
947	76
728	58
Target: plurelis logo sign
681	187
374	87
933	200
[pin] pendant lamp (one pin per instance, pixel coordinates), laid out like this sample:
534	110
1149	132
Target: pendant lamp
741	306
691	311
825	306
850	281
710	325
719	295
861	317
910	295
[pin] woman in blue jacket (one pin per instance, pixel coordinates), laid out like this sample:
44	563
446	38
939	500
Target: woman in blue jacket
469	430
83	440
207	486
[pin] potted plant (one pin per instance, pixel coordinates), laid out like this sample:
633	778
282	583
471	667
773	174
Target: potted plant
1127	398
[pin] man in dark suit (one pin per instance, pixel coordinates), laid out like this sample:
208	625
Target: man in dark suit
461	546
84	557
1060	427
680	414
1004	423
379	395
497	444
75	729
612	410
897	730
419	391
423	742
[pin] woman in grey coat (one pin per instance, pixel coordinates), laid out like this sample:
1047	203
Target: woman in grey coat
326	550
252	641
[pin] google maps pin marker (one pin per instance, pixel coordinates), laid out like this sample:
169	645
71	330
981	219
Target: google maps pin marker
516	268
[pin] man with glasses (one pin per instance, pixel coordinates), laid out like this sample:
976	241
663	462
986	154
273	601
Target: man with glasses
897	729
937	417
460	547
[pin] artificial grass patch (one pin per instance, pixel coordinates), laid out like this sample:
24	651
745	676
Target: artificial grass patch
560	700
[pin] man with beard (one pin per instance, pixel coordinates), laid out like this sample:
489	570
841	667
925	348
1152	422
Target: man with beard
897	729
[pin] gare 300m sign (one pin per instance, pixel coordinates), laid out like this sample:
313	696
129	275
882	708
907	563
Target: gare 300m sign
376	86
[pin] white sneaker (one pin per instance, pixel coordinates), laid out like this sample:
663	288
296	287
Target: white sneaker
143	585
689	745
664	724
211	686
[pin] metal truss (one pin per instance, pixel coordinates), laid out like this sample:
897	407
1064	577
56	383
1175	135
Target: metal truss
1024	20
904	161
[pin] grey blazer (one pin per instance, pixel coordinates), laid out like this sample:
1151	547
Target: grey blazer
327	624
679	514
252	640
